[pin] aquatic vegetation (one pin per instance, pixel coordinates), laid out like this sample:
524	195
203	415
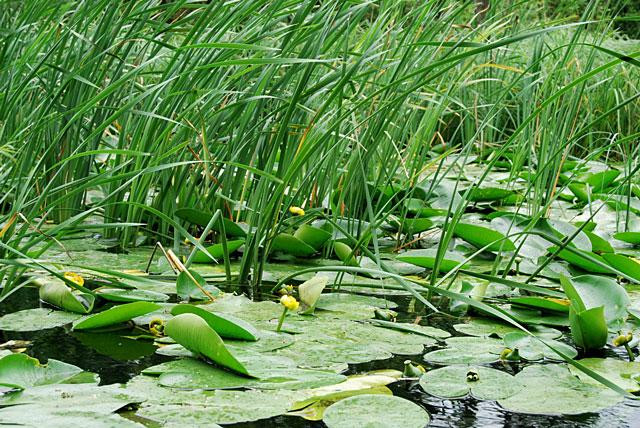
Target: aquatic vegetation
347	212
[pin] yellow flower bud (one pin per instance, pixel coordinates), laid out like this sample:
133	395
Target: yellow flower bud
156	327
289	302
75	278
296	210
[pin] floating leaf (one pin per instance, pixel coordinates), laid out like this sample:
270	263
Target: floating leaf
625	374
427	259
58	294
202	218
599	245
488	194
116	315
187	289
533	349
225	325
413	328
289	244
480	237
543	303
131	295
21	371
467	350
193	374
36	319
216	251
116	346
630	237
310	291
484	327
587	320
551	389
195	334
172	407
374	410
624	264
345	254
312	236
595	291
455	382
601	180
580	261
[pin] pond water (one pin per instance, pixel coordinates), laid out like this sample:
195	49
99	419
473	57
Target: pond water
117	359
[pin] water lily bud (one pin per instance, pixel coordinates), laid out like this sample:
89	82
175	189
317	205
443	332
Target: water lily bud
510	355
289	302
75	278
285	289
623	339
156	327
296	210
411	370
472	376
385	314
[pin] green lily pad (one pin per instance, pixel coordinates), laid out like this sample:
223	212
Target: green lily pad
225	325
543	303
33	415
485	327
194	374
375	411
202	218
129	295
289	244
115	346
413	328
551	389
174	407
194	333
481	237
36	319
427	259
345	254
116	315
581	262
601	180
454	382
532	349
187	289
312	236
467	350
21	371
56	292
629	237
216	251
619	372
488	194
624	264
352	305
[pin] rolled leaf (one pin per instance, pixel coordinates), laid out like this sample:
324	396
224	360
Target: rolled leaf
225	325
58	294
195	334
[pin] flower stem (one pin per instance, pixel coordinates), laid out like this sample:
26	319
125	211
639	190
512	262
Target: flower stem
281	320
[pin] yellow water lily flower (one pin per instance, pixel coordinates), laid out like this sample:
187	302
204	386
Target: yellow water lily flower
75	278
296	210
289	302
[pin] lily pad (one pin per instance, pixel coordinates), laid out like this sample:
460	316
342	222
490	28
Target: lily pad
484	327
289	244
131	295
21	371
58	294
375	411
467	350
624	264
225	325
187	289
532	349
423	330
551	389
427	259
455	382
629	237
36	319
625	374
216	251
194	333
116	315
481	237
312	236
